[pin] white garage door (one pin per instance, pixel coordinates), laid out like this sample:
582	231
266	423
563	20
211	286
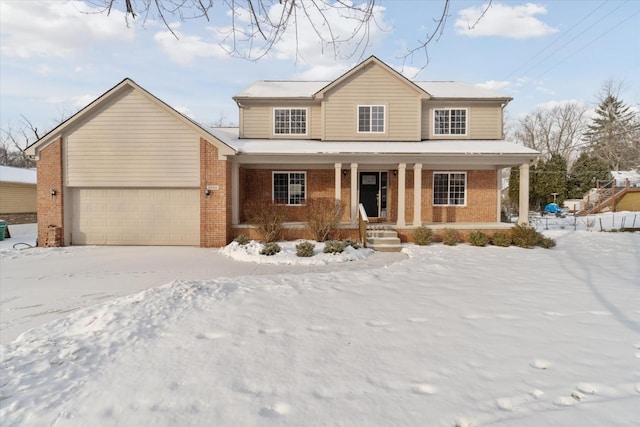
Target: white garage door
116	216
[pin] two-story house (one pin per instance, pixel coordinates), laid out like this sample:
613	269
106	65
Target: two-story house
129	169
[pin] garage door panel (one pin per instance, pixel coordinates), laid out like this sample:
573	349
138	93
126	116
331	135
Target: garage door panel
135	216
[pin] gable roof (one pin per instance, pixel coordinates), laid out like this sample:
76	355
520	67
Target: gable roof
369	62
127	83
291	89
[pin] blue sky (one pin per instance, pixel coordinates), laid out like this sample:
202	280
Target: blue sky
55	57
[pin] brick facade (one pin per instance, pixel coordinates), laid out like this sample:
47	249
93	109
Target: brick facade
215	208
50	177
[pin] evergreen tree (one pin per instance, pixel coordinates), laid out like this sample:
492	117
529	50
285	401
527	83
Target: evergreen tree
585	172
551	179
614	133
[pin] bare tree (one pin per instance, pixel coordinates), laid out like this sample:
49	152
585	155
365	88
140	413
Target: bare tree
553	131
261	24
14	140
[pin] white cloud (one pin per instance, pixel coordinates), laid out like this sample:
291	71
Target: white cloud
503	20
558	103
186	48
44	70
57	28
81	101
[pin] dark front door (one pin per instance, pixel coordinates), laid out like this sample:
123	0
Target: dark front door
369	192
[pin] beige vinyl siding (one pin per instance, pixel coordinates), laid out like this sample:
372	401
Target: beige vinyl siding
372	86
133	142
135	216
17	198
257	118
484	120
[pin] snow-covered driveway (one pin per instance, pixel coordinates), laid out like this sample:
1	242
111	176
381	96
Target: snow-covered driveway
42	284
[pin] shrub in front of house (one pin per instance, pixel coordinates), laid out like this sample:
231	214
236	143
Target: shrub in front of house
353	243
323	217
422	236
270	248
547	242
524	236
478	238
242	240
305	249
450	236
501	239
267	217
334	246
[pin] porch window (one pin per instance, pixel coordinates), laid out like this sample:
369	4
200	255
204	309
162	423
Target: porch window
449	188
371	118
289	188
450	122
290	121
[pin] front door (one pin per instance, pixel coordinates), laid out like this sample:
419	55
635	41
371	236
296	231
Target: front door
373	193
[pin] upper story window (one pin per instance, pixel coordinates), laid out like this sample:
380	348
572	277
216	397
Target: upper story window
290	121
449	188
289	188
449	121
371	118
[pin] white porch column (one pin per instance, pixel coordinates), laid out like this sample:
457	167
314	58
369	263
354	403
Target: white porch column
523	216
354	193
338	179
499	190
417	194
235	193
402	169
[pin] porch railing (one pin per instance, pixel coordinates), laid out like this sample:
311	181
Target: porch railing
363	220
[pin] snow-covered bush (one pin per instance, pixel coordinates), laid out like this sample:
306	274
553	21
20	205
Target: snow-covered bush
422	236
478	238
450	236
524	236
353	243
270	248
242	240
501	239
305	249
334	246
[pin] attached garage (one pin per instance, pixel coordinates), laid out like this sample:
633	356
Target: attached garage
140	216
130	170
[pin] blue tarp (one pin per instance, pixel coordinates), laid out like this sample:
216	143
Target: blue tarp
553	208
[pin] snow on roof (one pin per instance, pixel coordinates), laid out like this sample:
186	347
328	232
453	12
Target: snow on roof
17	175
458	90
306	146
622	176
302	89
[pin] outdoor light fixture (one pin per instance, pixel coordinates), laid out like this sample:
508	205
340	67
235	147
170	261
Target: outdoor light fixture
395	172
53	191
207	192
344	172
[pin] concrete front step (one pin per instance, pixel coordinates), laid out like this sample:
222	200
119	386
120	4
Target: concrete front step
383	240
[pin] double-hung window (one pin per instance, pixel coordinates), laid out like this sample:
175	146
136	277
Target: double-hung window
371	118
290	121
449	121
449	188
289	188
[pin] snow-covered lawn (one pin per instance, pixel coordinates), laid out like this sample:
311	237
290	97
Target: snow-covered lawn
442	336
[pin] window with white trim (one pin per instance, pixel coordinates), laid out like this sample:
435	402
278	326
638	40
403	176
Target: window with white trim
371	118
289	188
290	121
449	121
449	188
